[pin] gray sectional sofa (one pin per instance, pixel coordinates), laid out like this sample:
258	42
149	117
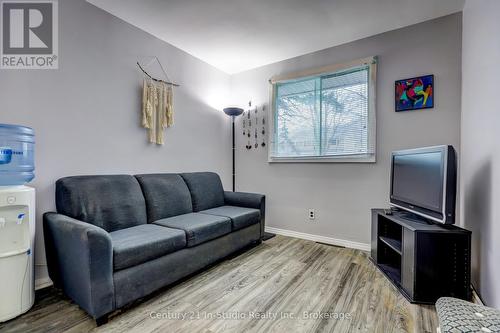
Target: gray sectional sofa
117	238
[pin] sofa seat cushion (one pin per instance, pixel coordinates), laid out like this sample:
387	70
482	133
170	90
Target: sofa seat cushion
241	217
199	228
136	245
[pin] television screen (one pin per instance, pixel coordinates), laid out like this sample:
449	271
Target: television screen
418	179
423	181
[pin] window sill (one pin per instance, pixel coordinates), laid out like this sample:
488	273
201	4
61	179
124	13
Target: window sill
326	159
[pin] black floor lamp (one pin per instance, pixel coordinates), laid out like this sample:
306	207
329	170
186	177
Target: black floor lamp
234	112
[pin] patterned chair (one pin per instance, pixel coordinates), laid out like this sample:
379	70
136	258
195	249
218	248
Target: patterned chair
458	316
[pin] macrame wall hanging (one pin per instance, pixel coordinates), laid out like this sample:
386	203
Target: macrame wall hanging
254	123
157	103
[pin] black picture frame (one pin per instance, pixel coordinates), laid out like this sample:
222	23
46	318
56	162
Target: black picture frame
427	81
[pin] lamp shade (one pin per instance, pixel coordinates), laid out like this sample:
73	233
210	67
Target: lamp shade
233	111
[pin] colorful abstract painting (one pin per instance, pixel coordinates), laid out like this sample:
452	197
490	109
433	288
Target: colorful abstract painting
415	93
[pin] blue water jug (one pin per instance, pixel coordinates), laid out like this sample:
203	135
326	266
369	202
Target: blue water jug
17	160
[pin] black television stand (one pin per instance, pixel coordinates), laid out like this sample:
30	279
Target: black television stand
423	260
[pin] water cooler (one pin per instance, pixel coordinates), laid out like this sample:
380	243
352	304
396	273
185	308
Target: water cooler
17	221
17	234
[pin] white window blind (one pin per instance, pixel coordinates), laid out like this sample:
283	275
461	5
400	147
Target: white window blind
328	116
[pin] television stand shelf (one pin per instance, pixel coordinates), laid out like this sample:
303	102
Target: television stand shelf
394	244
423	260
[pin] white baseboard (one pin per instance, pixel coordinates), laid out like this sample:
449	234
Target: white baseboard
42	283
320	239
475	296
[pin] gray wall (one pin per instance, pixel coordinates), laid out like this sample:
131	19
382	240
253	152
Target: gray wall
343	194
480	162
86	114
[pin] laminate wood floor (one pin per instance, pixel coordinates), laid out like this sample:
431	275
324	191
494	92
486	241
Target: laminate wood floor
283	285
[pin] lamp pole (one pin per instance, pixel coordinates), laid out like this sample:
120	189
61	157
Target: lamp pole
233	112
234	155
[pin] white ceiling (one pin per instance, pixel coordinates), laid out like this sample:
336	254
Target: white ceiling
237	35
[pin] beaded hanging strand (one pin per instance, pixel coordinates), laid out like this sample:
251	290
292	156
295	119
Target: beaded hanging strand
263	126
256	124
244	123
249	146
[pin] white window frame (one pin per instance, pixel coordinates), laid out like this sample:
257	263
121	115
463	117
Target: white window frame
371	62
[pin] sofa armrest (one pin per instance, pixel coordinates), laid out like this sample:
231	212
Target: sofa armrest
80	260
249	200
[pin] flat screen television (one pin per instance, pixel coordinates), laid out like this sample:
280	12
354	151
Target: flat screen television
423	182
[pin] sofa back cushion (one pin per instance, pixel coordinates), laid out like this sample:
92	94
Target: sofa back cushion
166	195
206	190
112	202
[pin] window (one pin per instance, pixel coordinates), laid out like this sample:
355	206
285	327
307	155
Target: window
326	115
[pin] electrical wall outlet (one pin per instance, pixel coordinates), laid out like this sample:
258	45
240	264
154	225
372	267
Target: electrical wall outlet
311	214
